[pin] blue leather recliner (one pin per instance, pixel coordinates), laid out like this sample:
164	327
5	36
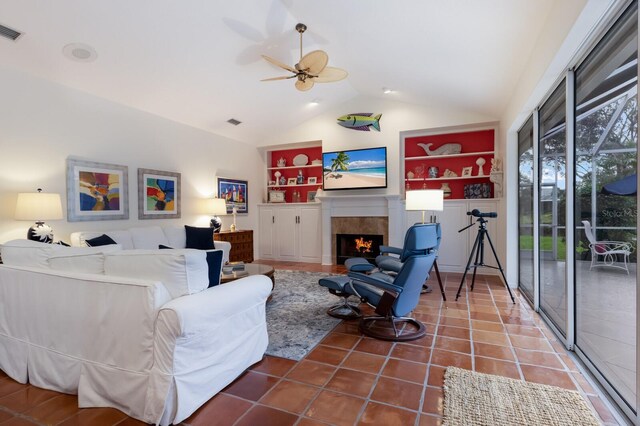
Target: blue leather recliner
393	297
389	261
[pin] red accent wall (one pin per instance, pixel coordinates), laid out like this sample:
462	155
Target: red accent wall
476	141
314	153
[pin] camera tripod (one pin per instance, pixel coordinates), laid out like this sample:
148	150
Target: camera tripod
478	252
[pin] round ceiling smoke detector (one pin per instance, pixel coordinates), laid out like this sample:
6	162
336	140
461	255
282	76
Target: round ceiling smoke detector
80	52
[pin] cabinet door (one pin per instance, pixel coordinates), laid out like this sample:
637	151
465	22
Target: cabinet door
454	251
287	233
310	234
266	234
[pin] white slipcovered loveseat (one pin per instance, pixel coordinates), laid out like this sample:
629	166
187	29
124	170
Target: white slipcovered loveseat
156	346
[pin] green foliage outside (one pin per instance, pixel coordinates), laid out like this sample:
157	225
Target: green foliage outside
546	244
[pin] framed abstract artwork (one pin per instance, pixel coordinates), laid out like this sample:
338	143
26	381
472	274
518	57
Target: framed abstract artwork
235	192
158	194
96	191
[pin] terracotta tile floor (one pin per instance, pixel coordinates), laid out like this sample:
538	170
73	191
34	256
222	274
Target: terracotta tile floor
351	379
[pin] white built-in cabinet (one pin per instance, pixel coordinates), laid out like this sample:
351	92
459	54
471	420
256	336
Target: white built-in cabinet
455	246
290	232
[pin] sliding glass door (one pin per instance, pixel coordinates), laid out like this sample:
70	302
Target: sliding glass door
525	208
552	208
577	209
605	206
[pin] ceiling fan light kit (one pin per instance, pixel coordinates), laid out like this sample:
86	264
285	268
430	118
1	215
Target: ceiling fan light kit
311	68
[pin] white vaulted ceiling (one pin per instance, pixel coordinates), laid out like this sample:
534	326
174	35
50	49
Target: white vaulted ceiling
198	62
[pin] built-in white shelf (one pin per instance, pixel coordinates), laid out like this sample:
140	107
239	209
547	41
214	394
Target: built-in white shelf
439	157
294	167
447	178
297	184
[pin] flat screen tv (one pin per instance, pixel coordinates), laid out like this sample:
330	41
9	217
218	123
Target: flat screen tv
354	169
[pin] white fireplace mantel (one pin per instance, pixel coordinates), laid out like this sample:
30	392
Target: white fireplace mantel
360	206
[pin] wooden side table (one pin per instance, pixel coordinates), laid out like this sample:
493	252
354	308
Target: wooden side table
241	244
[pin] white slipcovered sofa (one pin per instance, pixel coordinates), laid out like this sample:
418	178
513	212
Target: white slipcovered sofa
148	237
156	347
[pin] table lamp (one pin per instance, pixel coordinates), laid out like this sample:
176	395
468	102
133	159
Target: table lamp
425	199
39	206
215	207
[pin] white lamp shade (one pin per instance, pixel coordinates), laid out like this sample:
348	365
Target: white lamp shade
38	206
425	199
216	206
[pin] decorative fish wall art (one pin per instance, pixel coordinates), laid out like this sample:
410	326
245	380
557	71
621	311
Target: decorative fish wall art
360	121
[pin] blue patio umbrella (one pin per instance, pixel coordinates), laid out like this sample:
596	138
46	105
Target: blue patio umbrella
624	186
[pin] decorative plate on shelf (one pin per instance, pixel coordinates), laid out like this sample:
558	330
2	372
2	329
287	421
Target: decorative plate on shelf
300	160
317	162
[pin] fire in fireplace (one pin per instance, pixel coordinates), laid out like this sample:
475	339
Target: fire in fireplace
357	245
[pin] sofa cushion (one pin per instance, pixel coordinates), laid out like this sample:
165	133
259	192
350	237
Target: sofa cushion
148	238
199	238
181	271
88	260
33	254
214	262
102	240
176	235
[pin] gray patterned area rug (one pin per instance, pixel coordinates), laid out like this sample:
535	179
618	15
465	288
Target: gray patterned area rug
297	317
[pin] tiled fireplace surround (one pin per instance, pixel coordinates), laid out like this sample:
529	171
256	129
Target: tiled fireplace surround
371	214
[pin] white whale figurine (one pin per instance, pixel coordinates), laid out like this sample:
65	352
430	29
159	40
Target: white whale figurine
446	149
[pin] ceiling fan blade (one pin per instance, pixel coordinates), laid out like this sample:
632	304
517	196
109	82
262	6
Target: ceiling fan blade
313	62
304	85
284	77
279	64
331	74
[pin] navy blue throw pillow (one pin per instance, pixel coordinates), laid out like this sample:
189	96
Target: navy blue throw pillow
199	238
214	260
102	240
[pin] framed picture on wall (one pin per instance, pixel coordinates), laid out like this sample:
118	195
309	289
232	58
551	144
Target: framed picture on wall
96	191
158	194
312	180
235	192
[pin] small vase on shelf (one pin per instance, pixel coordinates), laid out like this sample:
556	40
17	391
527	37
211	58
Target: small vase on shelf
480	162
446	190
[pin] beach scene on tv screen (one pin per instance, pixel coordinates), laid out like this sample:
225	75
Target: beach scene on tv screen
365	168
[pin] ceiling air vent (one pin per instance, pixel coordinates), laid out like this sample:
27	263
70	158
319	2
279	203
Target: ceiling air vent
9	33
233	121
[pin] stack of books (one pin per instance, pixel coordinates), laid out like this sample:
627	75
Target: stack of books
237	266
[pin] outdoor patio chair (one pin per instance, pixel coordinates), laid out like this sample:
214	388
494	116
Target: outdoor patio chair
605	253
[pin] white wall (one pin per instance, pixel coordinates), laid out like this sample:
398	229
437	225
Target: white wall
42	123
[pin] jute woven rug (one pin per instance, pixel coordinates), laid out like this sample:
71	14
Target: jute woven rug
483	399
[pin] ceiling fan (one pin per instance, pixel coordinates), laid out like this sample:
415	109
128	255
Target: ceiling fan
312	67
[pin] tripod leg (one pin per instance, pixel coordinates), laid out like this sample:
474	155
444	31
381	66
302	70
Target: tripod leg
495	255
435	266
466	269
479	256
